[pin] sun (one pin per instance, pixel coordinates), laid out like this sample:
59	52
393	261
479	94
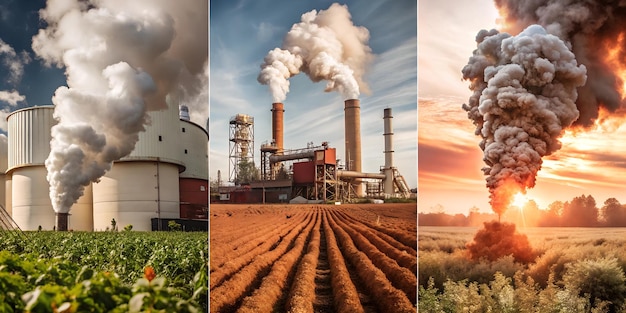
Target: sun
519	200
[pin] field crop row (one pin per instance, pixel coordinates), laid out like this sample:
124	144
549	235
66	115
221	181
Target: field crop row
103	272
313	258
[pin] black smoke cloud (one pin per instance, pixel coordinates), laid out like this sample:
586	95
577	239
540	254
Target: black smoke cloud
524	92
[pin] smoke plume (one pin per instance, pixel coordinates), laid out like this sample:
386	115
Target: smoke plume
325	45
121	59
595	30
524	92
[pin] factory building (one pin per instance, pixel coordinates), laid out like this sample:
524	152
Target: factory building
164	178
314	173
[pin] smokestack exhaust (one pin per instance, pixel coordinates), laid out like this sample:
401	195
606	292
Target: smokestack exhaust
352	111
61	221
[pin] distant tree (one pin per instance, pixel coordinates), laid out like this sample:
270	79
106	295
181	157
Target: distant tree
213	186
552	216
580	212
247	172
613	213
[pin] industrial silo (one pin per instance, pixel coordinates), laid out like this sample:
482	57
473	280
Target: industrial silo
143	185
3	168
194	181
27	189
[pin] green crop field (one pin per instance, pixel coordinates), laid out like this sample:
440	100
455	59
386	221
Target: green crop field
573	270
103	272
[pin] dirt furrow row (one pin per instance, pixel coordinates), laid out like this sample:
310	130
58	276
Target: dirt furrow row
243	234
260	246
389	298
404	258
225	297
345	295
275	284
234	256
302	295
400	277
401	240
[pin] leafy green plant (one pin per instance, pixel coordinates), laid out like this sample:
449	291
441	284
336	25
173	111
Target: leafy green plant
173	226
598	279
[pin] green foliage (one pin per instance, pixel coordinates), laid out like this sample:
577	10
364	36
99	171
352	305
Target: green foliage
575	271
102	272
401	200
128	227
598	279
173	226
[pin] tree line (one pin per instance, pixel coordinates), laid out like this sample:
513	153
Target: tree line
581	211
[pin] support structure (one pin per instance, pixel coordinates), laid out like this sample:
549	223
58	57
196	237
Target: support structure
241	144
326	175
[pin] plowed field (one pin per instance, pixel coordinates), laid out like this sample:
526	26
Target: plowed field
313	258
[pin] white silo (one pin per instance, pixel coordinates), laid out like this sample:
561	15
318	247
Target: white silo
27	190
143	185
3	168
194	181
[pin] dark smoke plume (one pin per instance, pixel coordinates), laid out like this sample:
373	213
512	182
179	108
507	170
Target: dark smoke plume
524	92
595	30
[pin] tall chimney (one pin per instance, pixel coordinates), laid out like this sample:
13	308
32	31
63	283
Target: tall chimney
277	125
61	221
352	113
388	134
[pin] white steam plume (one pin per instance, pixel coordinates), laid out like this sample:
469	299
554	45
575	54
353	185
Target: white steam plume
524	94
121	59
326	46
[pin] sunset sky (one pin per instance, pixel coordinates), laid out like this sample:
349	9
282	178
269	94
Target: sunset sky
590	162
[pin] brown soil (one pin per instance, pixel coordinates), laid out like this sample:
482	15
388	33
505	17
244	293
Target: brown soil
313	258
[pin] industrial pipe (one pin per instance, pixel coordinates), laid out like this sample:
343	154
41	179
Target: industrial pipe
275	158
62	221
354	174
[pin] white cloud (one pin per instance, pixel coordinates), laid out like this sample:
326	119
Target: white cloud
13	61
11	97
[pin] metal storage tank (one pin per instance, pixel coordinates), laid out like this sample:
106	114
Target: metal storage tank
143	185
3	168
194	181
27	189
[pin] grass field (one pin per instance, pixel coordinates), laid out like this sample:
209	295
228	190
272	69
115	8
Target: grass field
574	270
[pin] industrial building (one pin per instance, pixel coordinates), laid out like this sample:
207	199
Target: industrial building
313	173
164	178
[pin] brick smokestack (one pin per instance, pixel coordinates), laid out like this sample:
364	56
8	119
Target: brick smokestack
61	221
277	125
352	112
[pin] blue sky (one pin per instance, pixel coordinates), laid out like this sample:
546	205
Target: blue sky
242	33
19	22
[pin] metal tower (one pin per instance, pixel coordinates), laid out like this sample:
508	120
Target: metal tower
241	143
